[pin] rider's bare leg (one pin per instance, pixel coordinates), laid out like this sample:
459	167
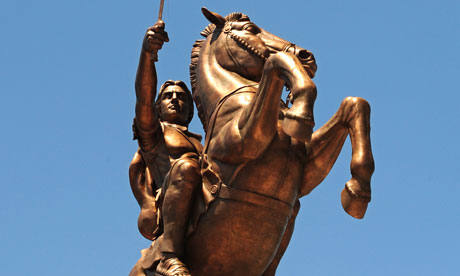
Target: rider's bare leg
184	179
145	195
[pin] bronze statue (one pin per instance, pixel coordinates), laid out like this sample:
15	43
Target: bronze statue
260	154
165	170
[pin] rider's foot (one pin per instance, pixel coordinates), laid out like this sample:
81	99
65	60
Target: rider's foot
172	267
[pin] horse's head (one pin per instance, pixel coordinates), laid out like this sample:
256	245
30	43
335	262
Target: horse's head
232	56
242	47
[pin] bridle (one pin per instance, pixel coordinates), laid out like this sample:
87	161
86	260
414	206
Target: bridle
228	31
242	42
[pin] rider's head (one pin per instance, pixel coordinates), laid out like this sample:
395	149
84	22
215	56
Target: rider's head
175	103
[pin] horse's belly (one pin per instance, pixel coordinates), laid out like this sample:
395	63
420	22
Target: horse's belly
234	238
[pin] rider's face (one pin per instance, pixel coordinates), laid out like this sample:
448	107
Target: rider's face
174	106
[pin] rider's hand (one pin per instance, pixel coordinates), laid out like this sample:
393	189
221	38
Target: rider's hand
154	38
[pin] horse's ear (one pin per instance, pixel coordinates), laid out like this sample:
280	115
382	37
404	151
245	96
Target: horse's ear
213	17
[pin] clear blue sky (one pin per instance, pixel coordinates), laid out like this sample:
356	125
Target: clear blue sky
67	73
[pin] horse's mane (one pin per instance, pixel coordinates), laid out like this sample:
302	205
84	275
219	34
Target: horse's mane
236	16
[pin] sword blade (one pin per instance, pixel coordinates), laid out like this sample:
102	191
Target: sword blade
160	13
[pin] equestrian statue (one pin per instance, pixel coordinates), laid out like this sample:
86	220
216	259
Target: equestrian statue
228	207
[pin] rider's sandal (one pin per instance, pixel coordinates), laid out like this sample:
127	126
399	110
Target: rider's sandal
172	267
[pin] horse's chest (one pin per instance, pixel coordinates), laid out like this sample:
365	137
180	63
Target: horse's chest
279	171
285	155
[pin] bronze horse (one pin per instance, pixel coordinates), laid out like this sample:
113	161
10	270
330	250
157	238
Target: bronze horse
261	155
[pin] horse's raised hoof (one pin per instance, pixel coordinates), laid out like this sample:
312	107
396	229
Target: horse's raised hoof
300	128
354	203
172	267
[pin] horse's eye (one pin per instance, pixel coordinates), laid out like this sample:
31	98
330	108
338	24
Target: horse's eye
251	28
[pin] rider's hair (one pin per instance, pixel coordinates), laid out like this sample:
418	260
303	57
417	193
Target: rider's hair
184	87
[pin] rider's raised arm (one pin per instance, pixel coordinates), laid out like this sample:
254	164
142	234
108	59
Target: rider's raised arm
147	121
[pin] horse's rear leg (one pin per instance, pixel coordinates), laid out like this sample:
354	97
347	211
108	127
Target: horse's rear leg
352	118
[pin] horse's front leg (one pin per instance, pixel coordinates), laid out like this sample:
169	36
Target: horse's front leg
352	118
260	118
250	133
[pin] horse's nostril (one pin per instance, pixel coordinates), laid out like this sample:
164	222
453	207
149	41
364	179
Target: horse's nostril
303	54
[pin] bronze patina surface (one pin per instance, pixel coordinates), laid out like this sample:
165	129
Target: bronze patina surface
229	208
165	171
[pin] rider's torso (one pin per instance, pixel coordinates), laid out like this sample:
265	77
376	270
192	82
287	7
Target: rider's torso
169	145
178	142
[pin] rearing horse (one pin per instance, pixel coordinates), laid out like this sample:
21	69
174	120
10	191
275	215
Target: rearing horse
261	155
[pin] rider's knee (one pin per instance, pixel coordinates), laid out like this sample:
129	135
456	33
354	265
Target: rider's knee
189	169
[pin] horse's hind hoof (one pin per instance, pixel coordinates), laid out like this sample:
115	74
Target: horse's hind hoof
300	128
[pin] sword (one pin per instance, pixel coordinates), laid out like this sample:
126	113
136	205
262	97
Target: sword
160	16
160	13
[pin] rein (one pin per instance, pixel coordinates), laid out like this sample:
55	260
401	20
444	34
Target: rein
212	119
216	188
213	185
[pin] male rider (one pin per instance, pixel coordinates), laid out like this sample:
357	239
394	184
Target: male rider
168	150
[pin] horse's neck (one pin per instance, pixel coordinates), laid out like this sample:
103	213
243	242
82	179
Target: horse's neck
216	82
